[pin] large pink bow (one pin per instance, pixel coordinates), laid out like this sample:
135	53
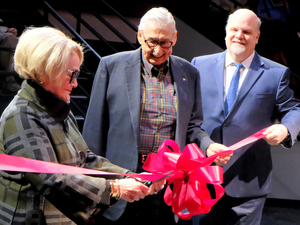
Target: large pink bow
191	171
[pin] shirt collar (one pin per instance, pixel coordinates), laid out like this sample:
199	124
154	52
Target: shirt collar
246	63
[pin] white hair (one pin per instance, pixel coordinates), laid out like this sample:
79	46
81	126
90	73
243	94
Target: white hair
160	15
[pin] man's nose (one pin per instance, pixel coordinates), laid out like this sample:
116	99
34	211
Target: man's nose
158	48
239	34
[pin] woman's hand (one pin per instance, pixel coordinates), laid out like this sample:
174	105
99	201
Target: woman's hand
156	186
132	190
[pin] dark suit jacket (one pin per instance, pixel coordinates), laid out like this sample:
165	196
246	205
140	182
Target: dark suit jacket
264	98
112	124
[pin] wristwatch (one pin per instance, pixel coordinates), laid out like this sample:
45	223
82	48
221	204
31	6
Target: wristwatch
287	138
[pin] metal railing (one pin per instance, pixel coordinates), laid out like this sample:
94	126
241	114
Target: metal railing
65	24
48	9
108	25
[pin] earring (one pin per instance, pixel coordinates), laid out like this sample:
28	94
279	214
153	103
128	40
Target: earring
40	82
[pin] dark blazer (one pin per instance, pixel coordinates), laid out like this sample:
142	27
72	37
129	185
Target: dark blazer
111	128
264	98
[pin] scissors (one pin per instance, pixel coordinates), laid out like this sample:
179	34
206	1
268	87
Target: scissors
149	183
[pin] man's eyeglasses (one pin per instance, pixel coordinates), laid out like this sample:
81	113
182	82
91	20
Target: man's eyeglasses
74	75
153	43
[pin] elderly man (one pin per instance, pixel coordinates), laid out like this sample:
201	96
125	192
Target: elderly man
243	93
139	99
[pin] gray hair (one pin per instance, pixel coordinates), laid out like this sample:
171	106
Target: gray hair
160	15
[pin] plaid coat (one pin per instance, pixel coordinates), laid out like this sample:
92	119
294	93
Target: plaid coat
38	125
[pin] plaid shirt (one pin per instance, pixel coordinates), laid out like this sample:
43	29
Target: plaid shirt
158	107
38	125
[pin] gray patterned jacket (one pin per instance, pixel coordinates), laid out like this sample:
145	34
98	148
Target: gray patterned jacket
38	125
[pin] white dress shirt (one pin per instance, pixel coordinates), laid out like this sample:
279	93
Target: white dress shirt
230	68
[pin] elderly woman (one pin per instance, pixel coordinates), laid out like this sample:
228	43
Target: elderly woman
38	124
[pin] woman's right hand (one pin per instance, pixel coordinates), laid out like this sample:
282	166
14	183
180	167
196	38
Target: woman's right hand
132	190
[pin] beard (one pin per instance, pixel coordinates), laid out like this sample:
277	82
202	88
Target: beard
237	49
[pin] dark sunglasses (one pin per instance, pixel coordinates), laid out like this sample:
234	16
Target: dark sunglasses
74	75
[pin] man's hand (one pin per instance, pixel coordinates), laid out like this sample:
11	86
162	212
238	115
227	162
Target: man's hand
13	31
276	134
215	148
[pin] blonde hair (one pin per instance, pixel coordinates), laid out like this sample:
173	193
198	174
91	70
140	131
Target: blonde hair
44	51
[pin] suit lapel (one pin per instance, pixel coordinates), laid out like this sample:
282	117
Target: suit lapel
179	77
180	85
218	72
254	72
133	88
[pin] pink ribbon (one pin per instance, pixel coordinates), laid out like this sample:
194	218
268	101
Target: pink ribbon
254	137
192	171
189	171
20	164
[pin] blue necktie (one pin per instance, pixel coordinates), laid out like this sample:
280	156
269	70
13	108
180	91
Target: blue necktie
234	84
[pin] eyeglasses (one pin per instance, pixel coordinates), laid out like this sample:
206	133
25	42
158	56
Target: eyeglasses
74	75
153	43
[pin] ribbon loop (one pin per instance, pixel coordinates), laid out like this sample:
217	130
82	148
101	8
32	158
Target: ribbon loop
191	173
